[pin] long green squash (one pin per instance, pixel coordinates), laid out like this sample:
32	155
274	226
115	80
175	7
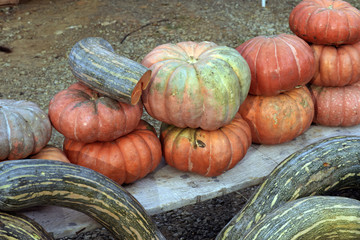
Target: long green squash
36	182
94	62
14	226
314	217
317	169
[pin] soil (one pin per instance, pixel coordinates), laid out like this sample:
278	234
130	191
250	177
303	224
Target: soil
37	35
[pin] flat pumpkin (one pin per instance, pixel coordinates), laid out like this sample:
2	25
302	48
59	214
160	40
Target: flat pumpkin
336	106
328	22
24	129
278	119
208	153
336	66
195	84
124	160
278	63
85	115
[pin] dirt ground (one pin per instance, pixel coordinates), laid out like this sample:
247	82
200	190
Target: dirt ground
37	35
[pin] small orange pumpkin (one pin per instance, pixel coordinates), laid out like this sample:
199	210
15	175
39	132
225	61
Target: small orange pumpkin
278	119
51	153
124	160
337	106
208	153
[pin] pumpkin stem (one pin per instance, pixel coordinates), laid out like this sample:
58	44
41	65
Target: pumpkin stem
192	59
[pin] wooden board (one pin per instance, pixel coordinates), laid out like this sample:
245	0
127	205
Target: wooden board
167	188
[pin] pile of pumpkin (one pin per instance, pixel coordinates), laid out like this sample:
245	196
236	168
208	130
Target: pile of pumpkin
213	102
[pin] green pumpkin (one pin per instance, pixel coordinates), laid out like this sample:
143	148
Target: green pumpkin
195	84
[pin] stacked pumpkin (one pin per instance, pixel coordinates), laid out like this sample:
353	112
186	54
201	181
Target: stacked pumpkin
195	91
332	27
101	132
279	106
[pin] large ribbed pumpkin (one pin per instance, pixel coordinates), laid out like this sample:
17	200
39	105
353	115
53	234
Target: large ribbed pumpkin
277	63
195	84
336	66
124	160
24	129
208	153
85	115
337	106
329	22
278	119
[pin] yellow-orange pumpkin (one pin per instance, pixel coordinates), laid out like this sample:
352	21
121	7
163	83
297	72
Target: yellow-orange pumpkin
51	153
278	119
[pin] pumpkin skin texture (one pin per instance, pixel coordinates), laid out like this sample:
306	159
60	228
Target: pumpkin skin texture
337	106
336	66
124	160
278	119
208	153
195	84
83	114
24	129
277	63
51	153
328	22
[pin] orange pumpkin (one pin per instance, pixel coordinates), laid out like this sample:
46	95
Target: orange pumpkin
124	160
337	106
278	119
336	66
51	153
328	22
83	114
208	153
277	63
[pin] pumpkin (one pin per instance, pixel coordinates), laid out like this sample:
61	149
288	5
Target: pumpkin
278	63
195	84
336	66
24	129
278	119
318	169
124	160
85	115
208	153
337	106
51	153
328	22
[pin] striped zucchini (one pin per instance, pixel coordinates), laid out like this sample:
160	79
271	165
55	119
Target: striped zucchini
315	217
36	182
93	61
21	227
317	169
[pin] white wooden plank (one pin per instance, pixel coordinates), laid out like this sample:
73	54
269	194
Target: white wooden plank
167	188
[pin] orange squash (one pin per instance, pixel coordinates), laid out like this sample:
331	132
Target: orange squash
208	153
278	119
51	153
124	160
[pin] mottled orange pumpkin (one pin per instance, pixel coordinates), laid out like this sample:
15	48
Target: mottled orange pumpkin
51	153
328	22
208	153
85	115
277	63
336	66
337	106
195	84
124	160
278	119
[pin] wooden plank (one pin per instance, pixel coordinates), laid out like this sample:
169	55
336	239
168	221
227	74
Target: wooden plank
167	188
